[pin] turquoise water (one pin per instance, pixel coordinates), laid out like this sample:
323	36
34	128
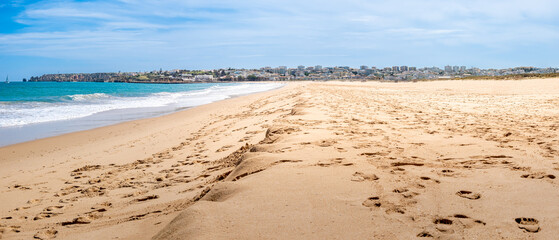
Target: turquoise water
51	108
63	91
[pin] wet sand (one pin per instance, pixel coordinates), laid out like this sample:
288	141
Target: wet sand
446	159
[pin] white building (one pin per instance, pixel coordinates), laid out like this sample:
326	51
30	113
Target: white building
203	78
187	77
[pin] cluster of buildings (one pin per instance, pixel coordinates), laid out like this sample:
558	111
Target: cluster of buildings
284	73
394	73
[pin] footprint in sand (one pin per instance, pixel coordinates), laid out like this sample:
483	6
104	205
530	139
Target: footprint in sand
21	187
360	177
447	172
78	220
424	234
400	190
46	234
539	175
52	208
429	179
528	224
373	154
444	225
398	170
372	202
326	143
45	215
468	195
467	221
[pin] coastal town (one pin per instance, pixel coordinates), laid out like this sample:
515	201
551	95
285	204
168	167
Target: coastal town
283	73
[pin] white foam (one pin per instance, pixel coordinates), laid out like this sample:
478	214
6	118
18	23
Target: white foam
88	97
83	105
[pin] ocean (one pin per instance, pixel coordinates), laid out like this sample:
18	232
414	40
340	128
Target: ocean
35	110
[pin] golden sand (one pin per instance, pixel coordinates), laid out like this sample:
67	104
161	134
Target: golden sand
448	159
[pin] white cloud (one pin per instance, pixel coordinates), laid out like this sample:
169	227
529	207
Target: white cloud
173	29
67	12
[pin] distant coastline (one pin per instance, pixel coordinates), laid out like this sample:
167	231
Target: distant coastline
512	76
302	73
65	78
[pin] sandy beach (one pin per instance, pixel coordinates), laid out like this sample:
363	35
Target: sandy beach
336	160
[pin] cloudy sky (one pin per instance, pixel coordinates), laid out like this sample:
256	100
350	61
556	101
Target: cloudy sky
54	36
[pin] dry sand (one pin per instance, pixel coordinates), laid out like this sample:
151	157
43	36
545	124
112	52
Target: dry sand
448	159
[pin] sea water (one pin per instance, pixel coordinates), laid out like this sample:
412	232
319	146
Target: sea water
41	109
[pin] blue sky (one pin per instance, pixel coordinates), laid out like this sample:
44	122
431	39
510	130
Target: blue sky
38	37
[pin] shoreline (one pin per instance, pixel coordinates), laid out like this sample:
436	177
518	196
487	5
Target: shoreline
340	160
33	172
116	124
36	131
162	82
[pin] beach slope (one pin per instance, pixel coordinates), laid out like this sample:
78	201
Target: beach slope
446	159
